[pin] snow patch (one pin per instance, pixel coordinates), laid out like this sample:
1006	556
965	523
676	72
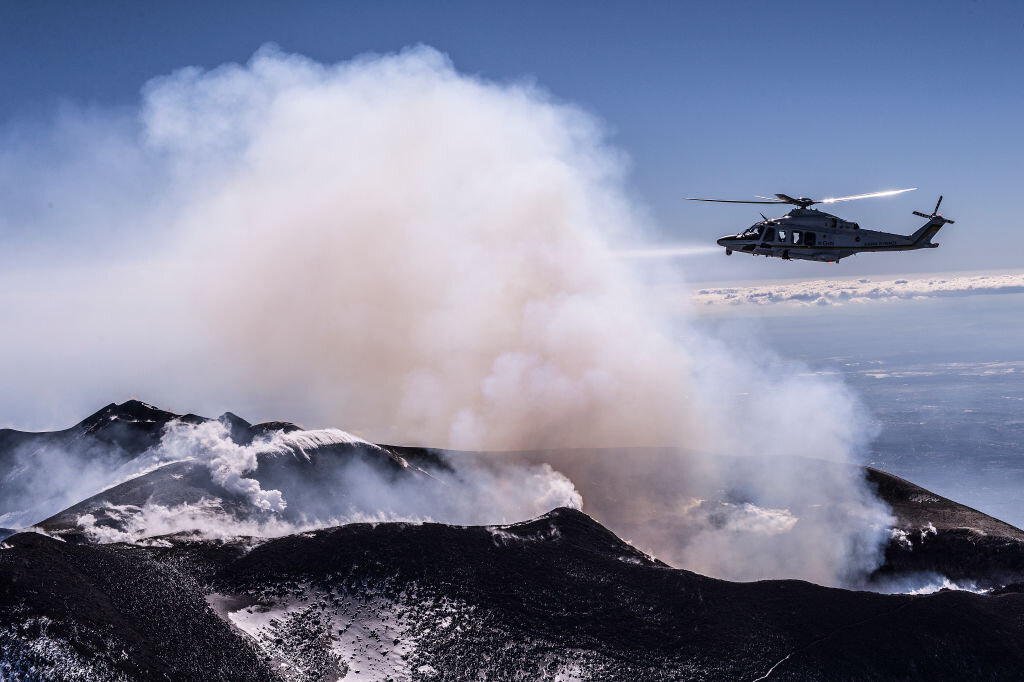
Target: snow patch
502	536
28	653
299	443
358	640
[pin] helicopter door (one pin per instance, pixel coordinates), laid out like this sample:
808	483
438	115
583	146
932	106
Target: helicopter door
810	239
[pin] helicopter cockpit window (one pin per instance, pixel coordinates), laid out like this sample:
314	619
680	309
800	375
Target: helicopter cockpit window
752	233
769	234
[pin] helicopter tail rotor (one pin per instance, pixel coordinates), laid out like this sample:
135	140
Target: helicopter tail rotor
935	213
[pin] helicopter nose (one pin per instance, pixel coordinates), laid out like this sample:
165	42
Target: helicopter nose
725	241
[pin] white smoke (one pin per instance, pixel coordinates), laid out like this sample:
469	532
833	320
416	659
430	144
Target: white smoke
430	258
329	486
925	583
205	518
228	462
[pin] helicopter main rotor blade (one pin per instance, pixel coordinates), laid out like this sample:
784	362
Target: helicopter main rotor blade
735	201
804	202
937	205
886	193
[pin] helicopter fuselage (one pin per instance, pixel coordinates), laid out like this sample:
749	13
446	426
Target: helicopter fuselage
809	234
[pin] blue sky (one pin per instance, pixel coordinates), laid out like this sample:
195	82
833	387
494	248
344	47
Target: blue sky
712	99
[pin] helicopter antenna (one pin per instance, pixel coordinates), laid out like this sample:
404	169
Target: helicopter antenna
804	202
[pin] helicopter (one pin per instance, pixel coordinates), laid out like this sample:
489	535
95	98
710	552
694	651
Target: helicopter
806	233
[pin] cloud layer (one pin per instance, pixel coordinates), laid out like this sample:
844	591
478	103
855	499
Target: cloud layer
839	291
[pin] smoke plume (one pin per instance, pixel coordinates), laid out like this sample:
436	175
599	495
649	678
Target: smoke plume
289	482
424	257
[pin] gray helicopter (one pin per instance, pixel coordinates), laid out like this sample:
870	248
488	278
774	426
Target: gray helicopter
809	234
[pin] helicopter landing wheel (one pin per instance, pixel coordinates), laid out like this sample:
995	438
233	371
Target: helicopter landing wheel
728	252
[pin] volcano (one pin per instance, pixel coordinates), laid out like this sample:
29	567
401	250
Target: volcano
90	591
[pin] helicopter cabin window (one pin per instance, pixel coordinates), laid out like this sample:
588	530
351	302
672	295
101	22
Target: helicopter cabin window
796	238
782	236
810	239
769	234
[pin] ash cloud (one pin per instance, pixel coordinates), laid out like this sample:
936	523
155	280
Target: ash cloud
423	257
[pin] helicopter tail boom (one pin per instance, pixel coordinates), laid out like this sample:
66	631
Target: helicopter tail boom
922	239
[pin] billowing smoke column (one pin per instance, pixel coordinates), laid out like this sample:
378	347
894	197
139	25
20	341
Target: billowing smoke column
425	257
423	254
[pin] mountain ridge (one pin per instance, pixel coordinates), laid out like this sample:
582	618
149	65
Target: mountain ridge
545	599
932	534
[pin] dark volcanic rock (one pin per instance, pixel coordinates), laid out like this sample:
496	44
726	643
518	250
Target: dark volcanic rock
559	595
239	430
111	612
916	507
131	427
561	592
264	428
127	429
934	534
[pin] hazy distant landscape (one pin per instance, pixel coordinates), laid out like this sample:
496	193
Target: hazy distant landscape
943	378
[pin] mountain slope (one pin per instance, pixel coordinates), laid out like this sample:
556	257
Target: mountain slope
328	475
558	597
110	612
934	534
41	473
